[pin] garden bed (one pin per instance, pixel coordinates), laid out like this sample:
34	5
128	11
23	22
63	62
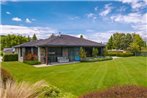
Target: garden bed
96	59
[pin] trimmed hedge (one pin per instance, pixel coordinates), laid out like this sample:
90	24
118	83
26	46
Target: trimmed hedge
10	57
124	54
119	54
34	62
91	59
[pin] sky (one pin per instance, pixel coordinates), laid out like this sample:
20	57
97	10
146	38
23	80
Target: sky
95	20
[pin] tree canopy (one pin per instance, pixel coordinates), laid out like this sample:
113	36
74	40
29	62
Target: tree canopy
11	40
123	41
34	37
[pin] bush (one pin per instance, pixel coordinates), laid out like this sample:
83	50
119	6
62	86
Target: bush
5	75
54	92
127	54
34	62
1	53
119	53
92	59
119	92
40	89
10	57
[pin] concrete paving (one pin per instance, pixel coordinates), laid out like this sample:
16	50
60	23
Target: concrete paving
54	64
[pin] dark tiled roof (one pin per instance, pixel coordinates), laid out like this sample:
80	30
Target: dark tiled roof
8	50
62	40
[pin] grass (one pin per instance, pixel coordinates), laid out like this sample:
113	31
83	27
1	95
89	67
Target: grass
81	78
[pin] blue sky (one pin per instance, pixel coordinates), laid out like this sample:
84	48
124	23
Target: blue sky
96	20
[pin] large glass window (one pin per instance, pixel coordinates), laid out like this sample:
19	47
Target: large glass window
53	53
35	51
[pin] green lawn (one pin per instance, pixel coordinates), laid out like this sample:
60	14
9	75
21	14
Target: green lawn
85	77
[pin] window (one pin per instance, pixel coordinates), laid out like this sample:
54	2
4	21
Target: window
35	51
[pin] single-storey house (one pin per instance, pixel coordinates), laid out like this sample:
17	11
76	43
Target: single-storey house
9	50
61	48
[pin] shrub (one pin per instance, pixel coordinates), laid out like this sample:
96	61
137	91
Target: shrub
94	52
82	53
10	57
5	75
119	92
21	90
1	53
92	59
127	54
34	62
31	56
38	90
119	53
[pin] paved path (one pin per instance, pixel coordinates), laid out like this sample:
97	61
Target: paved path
54	64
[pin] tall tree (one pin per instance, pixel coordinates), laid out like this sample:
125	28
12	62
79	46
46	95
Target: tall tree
110	43
128	40
122	41
29	39
138	40
134	48
11	40
34	37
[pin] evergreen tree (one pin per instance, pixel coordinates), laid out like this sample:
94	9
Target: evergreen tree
29	39
110	43
34	37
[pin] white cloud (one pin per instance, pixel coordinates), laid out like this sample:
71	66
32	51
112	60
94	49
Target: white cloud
104	36
28	20
16	19
106	10
41	32
92	16
8	13
74	18
136	20
135	4
122	9
130	18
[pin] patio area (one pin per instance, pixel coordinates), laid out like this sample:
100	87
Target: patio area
55	64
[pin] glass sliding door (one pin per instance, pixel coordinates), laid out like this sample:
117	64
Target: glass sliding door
53	53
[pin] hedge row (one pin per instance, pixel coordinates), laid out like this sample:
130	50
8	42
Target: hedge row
119	54
10	57
91	59
34	62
